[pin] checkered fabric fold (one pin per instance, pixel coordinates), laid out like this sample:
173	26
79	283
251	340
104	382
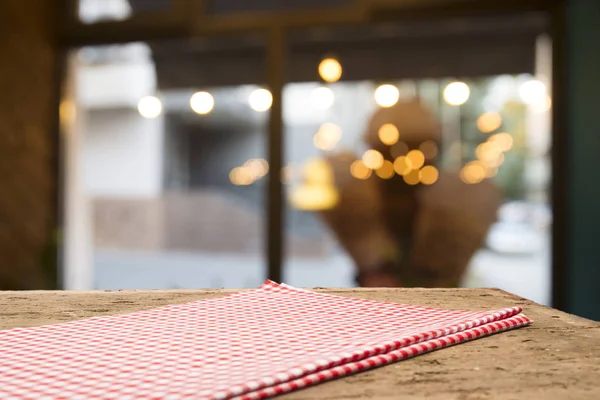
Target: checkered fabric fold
247	345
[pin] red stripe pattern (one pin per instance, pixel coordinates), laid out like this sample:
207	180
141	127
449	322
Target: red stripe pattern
248	345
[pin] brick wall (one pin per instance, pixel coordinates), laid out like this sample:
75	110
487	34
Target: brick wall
27	151
198	221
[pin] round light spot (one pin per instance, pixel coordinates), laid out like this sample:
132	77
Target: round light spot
150	107
388	134
330	70
202	103
456	93
260	100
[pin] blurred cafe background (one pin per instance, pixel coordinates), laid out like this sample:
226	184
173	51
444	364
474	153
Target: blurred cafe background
171	144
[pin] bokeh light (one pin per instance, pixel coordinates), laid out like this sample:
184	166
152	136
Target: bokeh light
388	134
417	158
413	177
487	152
387	95
202	103
429	149
473	172
399	149
150	107
359	170
503	139
372	159
327	137
260	100
330	70
313	197
317	172
428	175
533	92
402	165
386	171
456	93
322	98
489	122
241	176
259	167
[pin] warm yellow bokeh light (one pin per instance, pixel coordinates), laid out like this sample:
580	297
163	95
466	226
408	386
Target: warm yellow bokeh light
330	132
399	149
386	171
473	172
429	175
330	70
150	107
322	144
413	177
489	122
314	197
317	171
429	149
388	134
456	93
260	100
417	158
372	159
402	165
327	136
497	162
491	172
387	95
503	139
359	170
258	167
322	98
202	102
488	152
241	176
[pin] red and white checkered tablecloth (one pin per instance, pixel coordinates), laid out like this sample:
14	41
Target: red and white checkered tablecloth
247	345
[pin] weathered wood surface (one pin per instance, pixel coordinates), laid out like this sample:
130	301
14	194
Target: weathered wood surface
558	357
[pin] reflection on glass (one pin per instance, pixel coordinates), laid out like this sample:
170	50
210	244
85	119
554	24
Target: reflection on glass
424	181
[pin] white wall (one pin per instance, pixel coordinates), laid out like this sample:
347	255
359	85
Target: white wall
122	154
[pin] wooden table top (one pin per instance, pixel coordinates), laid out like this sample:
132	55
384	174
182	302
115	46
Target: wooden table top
557	357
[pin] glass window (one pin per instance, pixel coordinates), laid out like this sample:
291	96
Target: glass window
169	166
407	167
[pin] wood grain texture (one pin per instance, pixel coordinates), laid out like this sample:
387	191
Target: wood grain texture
558	357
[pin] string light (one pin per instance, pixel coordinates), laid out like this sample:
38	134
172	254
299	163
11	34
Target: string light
402	165
456	93
387	95
429	175
386	171
330	70
150	107
359	170
260	100
388	134
202	103
489	122
372	159
417	158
